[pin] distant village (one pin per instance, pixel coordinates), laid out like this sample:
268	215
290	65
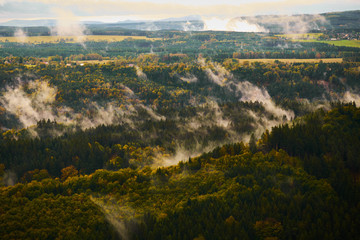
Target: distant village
333	36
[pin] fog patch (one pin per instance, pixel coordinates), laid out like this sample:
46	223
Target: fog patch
181	154
36	100
189	78
140	73
129	93
9	178
20	35
248	92
153	114
209	117
290	24
188	27
114	214
231	24
101	115
30	107
67	24
215	72
350	96
252	93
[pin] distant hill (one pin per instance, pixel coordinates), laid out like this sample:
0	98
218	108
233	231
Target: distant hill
186	18
344	20
338	21
349	20
30	23
193	25
40	23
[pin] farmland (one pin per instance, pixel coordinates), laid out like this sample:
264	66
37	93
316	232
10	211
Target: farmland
319	38
338	43
294	60
73	39
300	35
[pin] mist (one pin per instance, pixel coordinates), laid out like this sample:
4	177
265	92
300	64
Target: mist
30	108
231	24
188	26
350	96
210	116
181	154
9	178
290	24
140	73
113	214
67	24
248	92
33	101
20	35
252	93
189	78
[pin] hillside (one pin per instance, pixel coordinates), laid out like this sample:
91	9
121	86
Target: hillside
255	193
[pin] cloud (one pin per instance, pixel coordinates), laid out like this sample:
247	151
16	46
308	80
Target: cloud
201	8
2	2
162	9
234	25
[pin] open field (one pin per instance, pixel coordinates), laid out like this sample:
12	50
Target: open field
72	39
313	37
339	43
264	60
93	61
301	35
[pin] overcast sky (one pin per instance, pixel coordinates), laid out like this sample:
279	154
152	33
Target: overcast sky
114	10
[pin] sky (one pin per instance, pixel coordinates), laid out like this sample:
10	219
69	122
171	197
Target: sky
117	10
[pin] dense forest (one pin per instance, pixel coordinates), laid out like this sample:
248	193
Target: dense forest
234	191
165	109
182	46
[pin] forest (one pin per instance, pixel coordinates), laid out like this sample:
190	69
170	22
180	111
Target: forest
267	189
180	136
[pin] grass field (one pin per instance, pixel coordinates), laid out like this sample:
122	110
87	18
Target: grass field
265	60
301	35
313	37
94	61
72	39
339	43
